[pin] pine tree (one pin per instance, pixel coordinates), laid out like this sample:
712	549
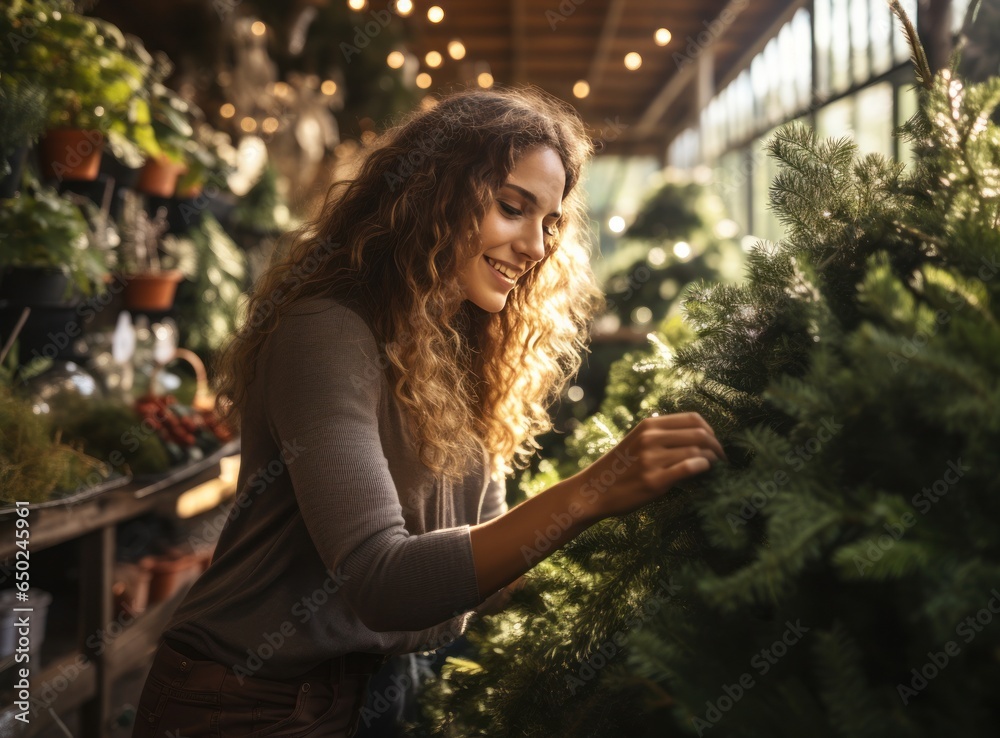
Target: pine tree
840	576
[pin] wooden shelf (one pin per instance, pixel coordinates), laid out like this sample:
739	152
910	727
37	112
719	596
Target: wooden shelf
51	526
91	525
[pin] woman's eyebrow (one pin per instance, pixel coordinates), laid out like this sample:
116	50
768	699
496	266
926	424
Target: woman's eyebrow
530	197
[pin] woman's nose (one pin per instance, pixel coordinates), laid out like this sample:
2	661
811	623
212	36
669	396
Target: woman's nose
532	243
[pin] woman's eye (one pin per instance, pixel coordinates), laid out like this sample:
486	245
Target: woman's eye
550	231
509	210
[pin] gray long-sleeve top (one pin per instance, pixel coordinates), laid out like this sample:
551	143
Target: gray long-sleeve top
339	538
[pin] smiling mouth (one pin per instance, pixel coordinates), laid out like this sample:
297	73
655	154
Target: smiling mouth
493	265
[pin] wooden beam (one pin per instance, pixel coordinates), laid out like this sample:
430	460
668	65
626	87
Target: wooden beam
609	29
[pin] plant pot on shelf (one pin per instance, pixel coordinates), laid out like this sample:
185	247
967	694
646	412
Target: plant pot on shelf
70	153
170	572
131	586
151	290
34	286
159	176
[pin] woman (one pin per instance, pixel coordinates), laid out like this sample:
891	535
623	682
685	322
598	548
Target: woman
396	359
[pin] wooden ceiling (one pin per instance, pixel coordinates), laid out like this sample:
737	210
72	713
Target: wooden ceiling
553	45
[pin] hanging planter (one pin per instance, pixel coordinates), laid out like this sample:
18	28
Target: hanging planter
70	153
159	176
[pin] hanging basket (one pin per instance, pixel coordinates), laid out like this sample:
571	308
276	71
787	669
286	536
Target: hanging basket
152	291
70	154
159	177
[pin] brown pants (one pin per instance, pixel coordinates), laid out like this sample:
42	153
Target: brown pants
191	698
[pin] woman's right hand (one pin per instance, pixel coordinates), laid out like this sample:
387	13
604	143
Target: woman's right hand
656	454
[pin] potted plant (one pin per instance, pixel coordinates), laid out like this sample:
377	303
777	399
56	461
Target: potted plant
150	283
92	84
132	139
174	133
47	252
22	119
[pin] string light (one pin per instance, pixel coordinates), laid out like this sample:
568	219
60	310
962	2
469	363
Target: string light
395	59
662	36
423	80
633	61
433	59
228	110
616	223
270	125
356	4
485	79
435	14
329	87
248	124
404	7
581	89
456	49
258	28
281	89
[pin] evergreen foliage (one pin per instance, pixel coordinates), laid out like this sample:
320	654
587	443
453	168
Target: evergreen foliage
840	576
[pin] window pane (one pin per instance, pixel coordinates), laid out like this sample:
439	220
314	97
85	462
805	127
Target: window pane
881	30
874	121
859	41
836	119
802	49
841	44
899	45
821	37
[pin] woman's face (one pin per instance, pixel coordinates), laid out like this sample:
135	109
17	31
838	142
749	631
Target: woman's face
515	228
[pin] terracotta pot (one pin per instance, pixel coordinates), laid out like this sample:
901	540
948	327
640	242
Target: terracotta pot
131	587
70	153
170	573
159	177
151	290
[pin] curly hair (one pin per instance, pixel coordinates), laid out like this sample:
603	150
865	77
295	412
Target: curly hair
389	243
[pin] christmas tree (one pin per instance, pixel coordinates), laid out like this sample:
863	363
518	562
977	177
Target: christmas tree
840	576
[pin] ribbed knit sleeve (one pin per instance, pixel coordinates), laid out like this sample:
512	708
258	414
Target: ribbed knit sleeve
323	385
